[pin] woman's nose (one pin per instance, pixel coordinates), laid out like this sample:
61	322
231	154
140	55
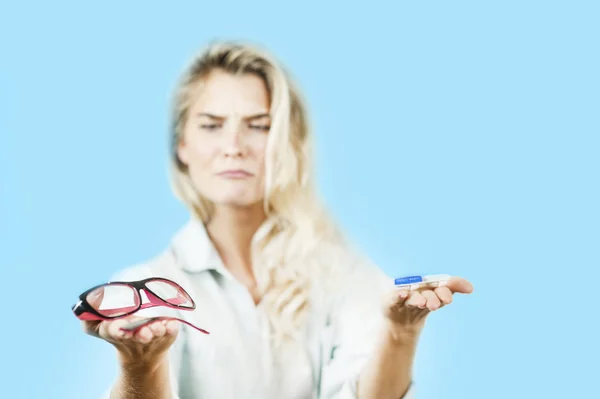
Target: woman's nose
234	141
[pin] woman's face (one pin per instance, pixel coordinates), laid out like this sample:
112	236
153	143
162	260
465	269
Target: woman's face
225	138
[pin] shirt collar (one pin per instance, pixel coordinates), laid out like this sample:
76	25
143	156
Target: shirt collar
195	250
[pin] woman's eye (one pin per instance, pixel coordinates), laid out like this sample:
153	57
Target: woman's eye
209	126
263	128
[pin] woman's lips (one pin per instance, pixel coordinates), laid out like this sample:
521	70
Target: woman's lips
235	174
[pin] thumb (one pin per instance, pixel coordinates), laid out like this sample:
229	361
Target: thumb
91	327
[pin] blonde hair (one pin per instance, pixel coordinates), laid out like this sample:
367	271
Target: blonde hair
289	256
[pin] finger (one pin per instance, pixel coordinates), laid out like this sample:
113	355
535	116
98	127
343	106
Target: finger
172	327
402	296
444	294
112	329
416	300
91	327
158	328
459	285
144	335
394	300
433	302
396	297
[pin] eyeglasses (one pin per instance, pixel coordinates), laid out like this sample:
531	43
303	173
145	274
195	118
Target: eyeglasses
120	299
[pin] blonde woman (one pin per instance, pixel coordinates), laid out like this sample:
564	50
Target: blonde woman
293	312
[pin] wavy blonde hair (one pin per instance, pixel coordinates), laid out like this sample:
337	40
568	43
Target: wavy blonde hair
290	255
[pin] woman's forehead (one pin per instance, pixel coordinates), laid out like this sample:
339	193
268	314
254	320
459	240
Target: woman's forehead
227	95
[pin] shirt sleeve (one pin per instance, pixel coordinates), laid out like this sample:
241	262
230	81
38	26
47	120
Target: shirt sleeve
350	338
176	350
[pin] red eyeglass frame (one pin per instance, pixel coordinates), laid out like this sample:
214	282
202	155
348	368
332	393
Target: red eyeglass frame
83	310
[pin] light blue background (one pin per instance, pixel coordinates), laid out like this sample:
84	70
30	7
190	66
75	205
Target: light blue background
453	136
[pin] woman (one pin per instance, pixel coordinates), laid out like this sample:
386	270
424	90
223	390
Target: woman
292	311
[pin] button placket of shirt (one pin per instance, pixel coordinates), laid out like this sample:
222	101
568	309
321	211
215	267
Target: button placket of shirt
251	327
243	313
220	348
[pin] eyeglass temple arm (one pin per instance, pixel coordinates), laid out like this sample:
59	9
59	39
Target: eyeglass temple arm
137	325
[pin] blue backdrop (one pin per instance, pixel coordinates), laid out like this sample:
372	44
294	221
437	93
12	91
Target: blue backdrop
453	136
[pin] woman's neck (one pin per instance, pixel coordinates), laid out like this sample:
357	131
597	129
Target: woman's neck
231	231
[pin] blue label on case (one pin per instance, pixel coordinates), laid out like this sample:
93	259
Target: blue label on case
408	280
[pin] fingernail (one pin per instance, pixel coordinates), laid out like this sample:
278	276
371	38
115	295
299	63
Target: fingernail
403	294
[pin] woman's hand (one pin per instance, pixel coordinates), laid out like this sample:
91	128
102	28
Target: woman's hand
388	374
141	352
406	310
145	348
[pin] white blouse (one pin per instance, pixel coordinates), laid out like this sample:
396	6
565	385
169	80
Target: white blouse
235	359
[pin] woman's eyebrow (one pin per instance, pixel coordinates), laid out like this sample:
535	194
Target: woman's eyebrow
257	116
209	115
220	117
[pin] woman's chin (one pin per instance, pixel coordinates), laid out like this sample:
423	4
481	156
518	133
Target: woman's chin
238	201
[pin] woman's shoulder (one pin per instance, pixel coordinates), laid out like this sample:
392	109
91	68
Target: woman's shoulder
351	264
168	262
162	264
362	274
352	275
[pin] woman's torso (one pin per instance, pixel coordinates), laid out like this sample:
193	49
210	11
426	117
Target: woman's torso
237	359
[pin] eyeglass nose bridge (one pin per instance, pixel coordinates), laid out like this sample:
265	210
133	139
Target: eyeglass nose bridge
144	292
151	299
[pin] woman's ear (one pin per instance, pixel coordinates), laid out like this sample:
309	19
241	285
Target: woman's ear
182	152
